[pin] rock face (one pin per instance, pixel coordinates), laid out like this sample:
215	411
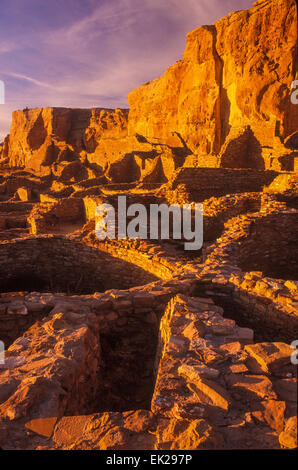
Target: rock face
236	73
227	103
41	138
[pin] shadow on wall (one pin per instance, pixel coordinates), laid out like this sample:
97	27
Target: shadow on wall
30	281
225	111
124	170
291	142
58	264
27	283
243	152
37	135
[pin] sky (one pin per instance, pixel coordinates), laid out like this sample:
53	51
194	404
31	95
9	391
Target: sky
91	53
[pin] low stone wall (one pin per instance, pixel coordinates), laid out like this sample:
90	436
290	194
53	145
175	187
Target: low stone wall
92	202
266	303
203	183
143	305
75	363
217	211
148	256
65	351
17	314
48	215
207	368
110	307
13	220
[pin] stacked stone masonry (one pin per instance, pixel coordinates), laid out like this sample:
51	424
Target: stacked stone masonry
130	344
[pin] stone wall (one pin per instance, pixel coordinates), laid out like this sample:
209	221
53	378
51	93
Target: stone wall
14	215
17	315
40	137
245	118
203	183
48	215
65	380
285	182
23	207
272	247
91	202
56	263
206	368
267	303
263	304
14	181
217	211
214	387
82	340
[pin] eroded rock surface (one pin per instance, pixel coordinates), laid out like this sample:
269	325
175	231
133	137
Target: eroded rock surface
130	344
232	86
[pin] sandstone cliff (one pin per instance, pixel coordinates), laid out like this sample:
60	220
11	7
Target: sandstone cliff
227	103
42	137
76	144
235	74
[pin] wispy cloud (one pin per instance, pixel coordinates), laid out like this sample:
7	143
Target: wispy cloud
29	79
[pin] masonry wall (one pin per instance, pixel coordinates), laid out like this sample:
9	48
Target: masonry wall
90	334
60	264
264	245
272	247
203	183
48	215
17	316
249	307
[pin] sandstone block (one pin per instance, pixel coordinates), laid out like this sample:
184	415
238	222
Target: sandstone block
211	393
288	438
251	386
193	373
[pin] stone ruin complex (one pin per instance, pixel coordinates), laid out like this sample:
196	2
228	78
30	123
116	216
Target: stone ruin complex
139	344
